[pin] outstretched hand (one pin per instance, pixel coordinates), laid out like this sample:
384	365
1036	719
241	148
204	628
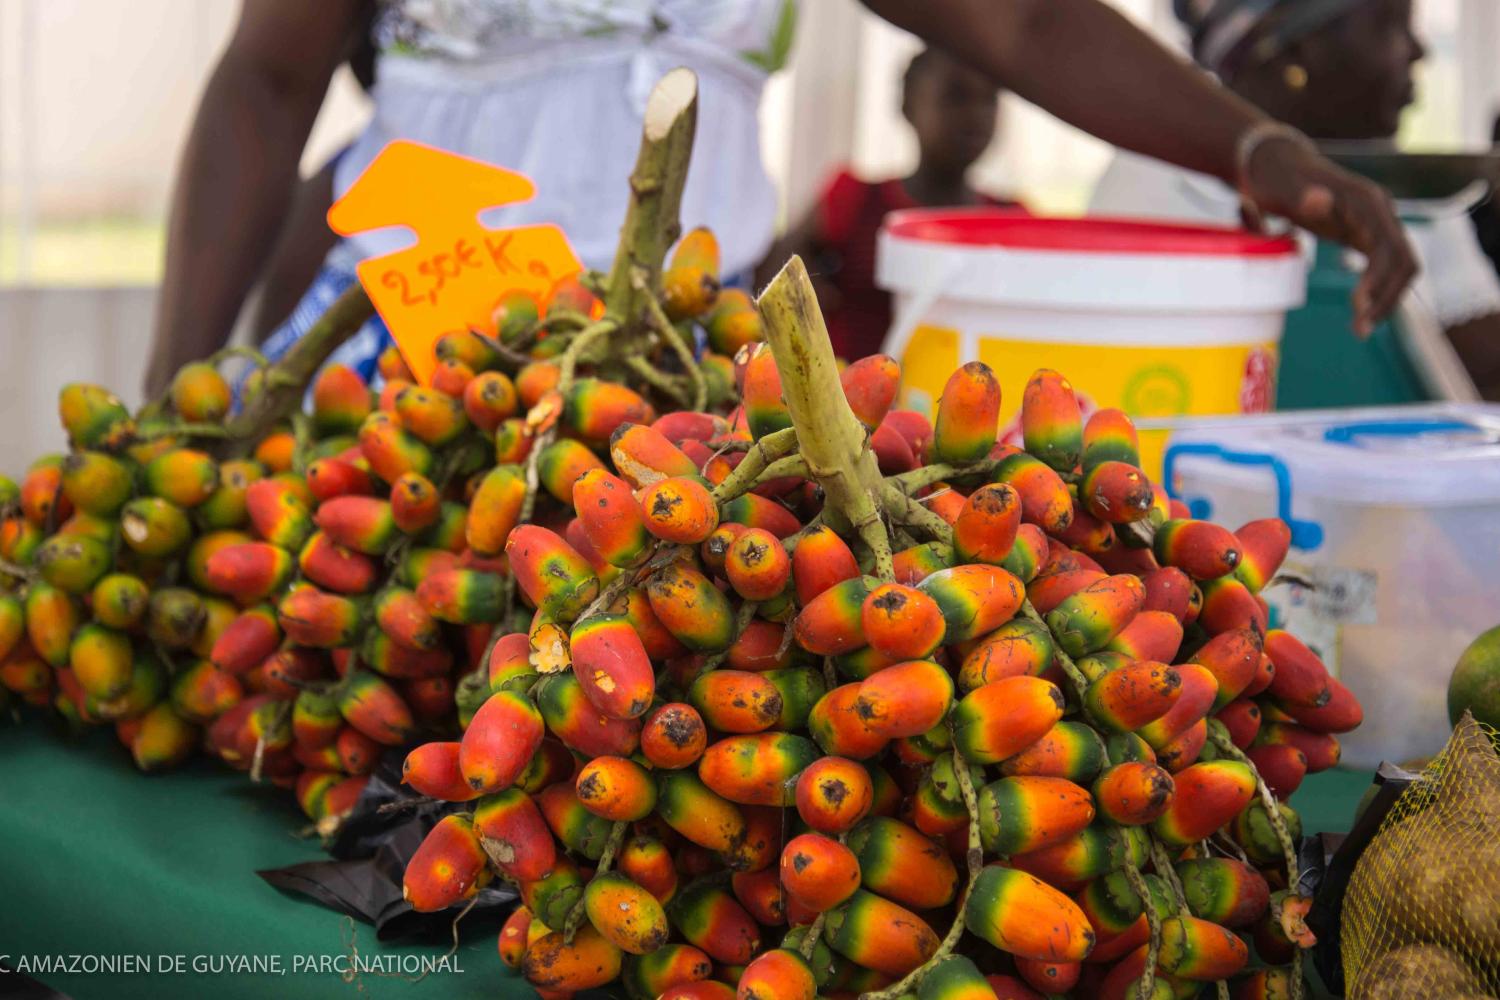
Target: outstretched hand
1294	181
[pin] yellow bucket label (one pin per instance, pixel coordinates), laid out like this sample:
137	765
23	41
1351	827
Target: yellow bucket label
1144	381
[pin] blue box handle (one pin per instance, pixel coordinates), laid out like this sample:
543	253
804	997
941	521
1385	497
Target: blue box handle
1306	535
1350	433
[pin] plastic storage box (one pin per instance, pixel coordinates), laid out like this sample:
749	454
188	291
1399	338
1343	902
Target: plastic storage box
1395	515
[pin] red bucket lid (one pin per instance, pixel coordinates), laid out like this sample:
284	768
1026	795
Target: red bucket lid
1018	230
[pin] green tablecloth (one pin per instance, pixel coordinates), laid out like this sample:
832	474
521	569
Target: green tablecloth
98	860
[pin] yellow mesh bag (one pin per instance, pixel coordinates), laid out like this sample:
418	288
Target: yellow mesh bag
1422	914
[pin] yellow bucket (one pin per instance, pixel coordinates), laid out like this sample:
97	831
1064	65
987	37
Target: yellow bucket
1157	320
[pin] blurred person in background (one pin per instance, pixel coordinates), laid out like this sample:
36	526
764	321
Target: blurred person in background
556	89
953	111
1333	70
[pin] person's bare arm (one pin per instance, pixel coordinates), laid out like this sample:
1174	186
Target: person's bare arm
238	169
1090	66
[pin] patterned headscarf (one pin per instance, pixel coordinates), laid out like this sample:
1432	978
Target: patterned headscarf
1232	35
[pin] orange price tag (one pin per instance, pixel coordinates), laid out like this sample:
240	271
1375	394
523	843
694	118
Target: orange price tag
458	270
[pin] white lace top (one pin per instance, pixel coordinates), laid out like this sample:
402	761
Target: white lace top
556	90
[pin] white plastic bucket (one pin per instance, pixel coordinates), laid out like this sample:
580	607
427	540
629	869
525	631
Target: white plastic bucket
1158	320
1395	515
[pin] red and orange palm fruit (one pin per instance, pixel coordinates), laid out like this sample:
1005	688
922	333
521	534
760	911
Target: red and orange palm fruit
19	540
665	970
1226	603
690	281
550	572
1193	704
13	619
710	918
1027	554
1087	620
1050	589
832	794
649	863
1004	717
715	548
839	730
513	441
202	693
901	622
562	968
1207	796
821	561
708	989
1133	793
642	455
612	665
616	788
1184	750
514	934
1128	697
879	934
582	727
96	483
433	417
364	524
336	568
155	527
340	400
416	503
733	323
101	661
901	863
691	608
944	500
500	741
758	769
759	848
432	699
1117	493
1301	679
1341	714
736	701
184	476
987	523
575	827
357	752
72	562
1027	813
391	659
1282	767
892	453
42	496
975	599
1263	546
163	739
1019	648
447	866
1227	892
495	509
870	385
611	518
199	393
757	566
1051	422
316	721
968	415
392	450
401	616
698	813
432	769
1049	977
818	871
1241	720
1070	749
489	399
778	974
328	478
1201	549
764	408
1321	750
562	463
595	408
1199	950
625	913
515	834
904	700
755	511
1019	913
1151	635
1045	500
372	706
52	617
679	509
674	736
759	648
1232	657
313	617
915	564
1123	980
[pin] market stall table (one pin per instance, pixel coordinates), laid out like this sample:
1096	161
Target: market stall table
103	861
